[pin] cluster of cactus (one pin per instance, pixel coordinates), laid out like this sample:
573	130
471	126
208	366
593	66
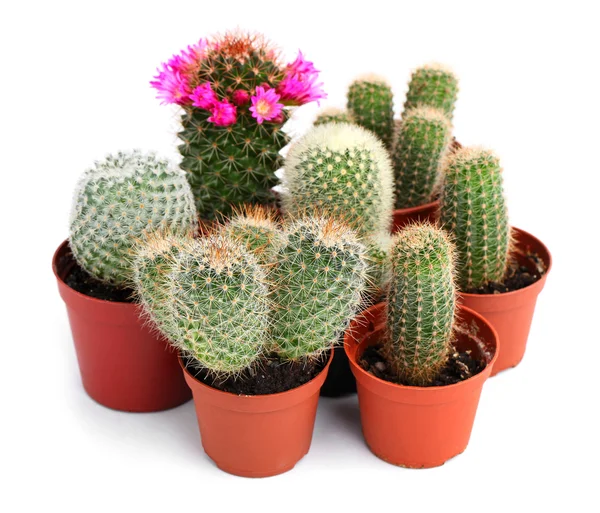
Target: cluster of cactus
226	301
120	200
235	91
421	303
473	210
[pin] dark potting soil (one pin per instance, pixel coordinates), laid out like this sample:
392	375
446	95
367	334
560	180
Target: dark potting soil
460	366
270	376
517	277
79	279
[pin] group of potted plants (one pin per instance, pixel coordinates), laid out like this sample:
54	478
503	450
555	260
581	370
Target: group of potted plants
200	281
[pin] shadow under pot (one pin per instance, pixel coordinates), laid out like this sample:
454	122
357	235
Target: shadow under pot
256	435
511	313
419	427
124	364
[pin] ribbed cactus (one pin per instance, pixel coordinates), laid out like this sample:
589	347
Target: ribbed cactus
474	211
371	105
434	85
122	199
421	141
318	284
233	89
215	304
257	228
332	115
421	303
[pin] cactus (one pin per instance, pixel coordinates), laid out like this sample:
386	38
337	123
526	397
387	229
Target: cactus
215	304
332	115
421	303
473	210
234	90
122	199
434	85
422	140
318	283
371	105
257	228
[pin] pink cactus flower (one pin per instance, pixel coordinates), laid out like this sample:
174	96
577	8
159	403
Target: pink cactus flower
223	113
204	96
299	83
172	86
241	97
265	106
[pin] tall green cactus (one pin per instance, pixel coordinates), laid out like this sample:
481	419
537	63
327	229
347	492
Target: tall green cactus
213	305
371	105
421	303
473	210
332	115
434	85
121	199
422	140
318	283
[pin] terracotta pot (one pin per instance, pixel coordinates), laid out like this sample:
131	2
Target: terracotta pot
256	435
511	313
405	216
123	364
418	427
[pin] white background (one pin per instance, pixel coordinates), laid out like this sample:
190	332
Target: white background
74	86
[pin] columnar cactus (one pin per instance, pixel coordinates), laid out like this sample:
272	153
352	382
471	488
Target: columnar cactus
422	140
318	284
371	105
332	115
473	210
217	308
434	85
421	303
233	89
122	199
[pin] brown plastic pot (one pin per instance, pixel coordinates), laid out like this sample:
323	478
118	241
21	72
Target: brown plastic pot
123	364
418	427
256	435
423	213
511	313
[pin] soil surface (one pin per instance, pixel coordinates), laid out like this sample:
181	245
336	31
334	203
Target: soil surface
517	277
460	366
270	376
79	279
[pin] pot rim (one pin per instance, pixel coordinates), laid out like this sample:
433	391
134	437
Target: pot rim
513	293
410	210
431	390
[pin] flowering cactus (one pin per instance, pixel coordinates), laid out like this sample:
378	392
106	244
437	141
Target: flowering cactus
234	90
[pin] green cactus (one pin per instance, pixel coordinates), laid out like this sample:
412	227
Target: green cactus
121	199
215	304
371	105
332	115
257	228
434	85
318	283
421	303
422	140
473	210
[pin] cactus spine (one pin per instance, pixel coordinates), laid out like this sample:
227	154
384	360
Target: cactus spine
434	85
371	105
121	199
332	115
422	139
421	303
318	284
473	210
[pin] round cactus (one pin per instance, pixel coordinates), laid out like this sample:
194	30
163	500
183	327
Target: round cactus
121	199
473	210
422	140
434	85
332	115
371	105
214	304
317	286
421	303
